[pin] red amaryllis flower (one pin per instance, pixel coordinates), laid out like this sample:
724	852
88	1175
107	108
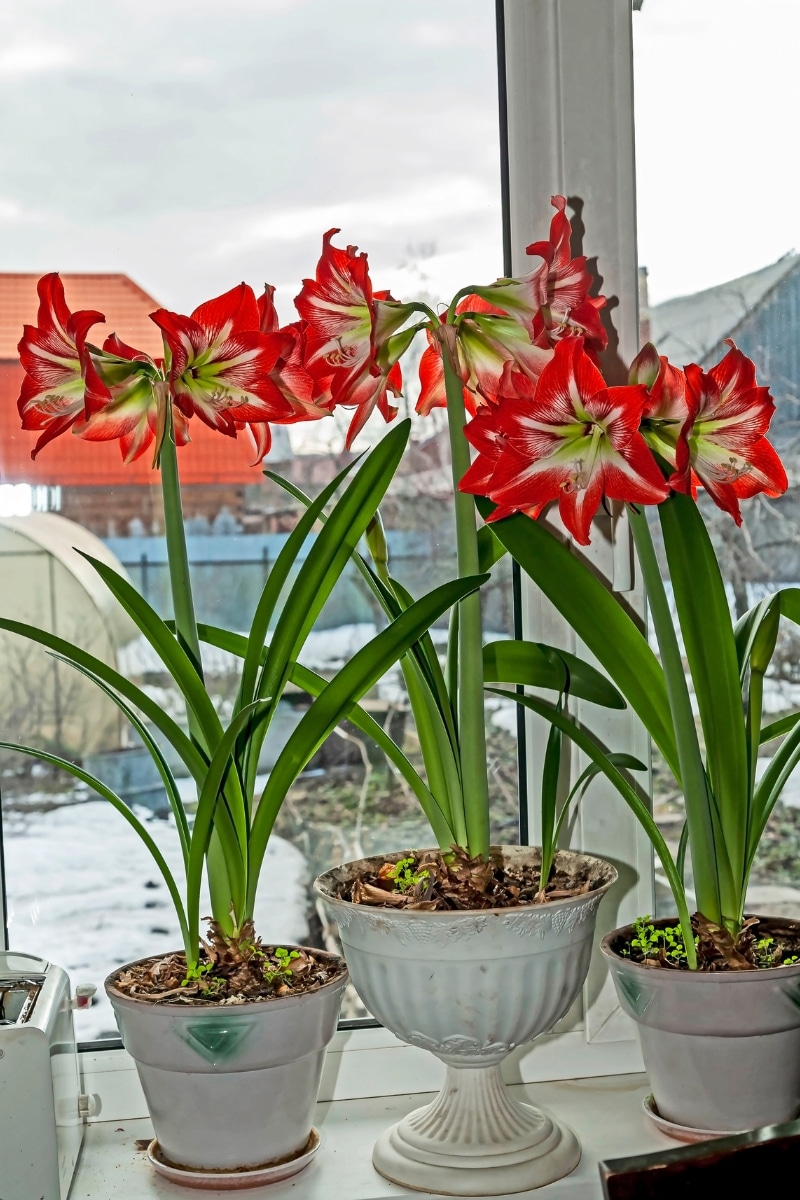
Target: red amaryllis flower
553	301
576	441
666	410
568	309
488	345
724	447
308	400
351	339
337	306
126	395
52	354
490	442
221	363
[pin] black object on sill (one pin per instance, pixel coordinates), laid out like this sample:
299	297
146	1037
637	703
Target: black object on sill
735	1166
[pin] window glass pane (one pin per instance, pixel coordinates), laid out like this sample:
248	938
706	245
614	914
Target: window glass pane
157	160
719	261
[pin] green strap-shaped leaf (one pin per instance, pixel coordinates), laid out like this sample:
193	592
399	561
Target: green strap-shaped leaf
440	750
683	846
323	565
183	745
393	597
597	617
278	577
167	647
207	818
97	785
778	728
773	781
429	801
760	650
746	630
534	664
708	850
313	684
790	603
355	679
329	555
708	638
490	548
155	751
599	756
426	658
551	778
180	666
430	704
626	762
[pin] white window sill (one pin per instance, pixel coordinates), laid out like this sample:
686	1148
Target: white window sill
606	1113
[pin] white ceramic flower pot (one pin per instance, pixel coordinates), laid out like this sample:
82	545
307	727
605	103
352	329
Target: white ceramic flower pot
230	1087
721	1048
470	987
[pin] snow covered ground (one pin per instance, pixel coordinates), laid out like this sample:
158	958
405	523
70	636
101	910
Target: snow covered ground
82	890
84	893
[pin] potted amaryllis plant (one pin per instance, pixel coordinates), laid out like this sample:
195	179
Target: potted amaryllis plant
443	944
228	1032
716	993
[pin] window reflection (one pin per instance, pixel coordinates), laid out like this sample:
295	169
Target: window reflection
225	159
721	265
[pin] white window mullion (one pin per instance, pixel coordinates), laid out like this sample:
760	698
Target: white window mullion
569	120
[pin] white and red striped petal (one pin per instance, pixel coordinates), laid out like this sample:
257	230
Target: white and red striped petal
553	301
573	440
370	392
337	306
724	447
222	365
52	352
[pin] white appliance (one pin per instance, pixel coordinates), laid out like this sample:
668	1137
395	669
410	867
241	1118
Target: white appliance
42	1110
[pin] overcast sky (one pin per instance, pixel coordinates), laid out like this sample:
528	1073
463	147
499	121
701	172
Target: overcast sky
194	143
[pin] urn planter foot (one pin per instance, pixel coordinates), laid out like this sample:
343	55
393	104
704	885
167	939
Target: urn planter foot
475	1139
472	985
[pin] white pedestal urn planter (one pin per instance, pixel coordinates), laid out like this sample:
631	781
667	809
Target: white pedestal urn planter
231	1088
470	986
721	1048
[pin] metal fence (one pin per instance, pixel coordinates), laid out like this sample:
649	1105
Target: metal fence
229	573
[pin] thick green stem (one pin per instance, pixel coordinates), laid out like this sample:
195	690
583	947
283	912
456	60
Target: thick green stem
471	715
693	777
186	631
177	556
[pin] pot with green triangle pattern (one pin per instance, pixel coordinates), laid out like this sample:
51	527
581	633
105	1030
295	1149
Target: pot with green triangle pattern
721	1048
252	1068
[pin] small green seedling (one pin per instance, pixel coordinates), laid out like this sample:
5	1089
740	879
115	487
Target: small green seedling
652	943
284	959
404	876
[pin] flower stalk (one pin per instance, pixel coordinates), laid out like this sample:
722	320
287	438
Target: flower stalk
469	667
177	555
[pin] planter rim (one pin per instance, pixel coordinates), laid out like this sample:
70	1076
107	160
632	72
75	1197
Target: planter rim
698	978
323	886
153	1002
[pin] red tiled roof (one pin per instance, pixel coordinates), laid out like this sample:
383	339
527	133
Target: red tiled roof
125	305
210	458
